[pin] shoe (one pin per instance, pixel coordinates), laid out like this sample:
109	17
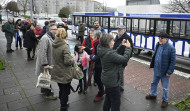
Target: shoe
21	48
51	97
164	104
97	98
95	84
64	108
29	59
33	56
84	92
12	50
121	89
9	51
150	97
16	48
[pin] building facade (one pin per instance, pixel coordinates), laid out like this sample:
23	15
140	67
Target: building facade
142	2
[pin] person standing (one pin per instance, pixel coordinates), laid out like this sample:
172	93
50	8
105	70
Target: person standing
9	33
38	30
63	63
17	34
111	63
118	40
30	41
44	57
163	61
81	31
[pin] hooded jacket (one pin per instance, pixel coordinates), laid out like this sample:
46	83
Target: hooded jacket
62	71
111	63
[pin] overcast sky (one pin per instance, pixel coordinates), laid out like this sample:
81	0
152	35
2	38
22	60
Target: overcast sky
115	3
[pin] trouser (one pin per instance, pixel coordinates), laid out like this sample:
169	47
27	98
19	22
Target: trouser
9	42
64	91
84	79
81	39
121	71
29	50
112	100
47	92
97	77
165	85
18	40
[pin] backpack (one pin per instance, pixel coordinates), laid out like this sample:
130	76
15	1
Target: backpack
3	27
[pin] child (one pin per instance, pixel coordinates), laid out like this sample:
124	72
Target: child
82	60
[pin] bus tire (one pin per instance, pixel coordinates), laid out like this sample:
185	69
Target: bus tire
137	51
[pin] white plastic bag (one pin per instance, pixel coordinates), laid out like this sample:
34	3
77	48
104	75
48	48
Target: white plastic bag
44	80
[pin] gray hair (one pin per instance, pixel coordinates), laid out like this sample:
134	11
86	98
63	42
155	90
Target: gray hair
105	40
97	34
49	27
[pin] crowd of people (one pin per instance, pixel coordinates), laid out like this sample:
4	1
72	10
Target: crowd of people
99	53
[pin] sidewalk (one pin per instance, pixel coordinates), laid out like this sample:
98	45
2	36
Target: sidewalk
18	91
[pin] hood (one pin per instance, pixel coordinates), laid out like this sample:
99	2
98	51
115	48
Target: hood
102	50
58	42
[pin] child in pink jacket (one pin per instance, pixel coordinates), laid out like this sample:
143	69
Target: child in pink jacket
82	59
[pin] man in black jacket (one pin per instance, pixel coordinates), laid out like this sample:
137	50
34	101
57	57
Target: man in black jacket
118	40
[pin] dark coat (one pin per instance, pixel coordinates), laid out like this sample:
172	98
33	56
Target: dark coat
81	30
118	41
168	59
9	29
30	39
111	63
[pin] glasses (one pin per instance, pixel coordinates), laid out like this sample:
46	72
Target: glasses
161	37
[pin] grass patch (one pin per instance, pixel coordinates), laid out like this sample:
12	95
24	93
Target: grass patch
184	105
1	65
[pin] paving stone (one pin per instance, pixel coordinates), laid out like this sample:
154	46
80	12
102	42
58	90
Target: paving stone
9	98
3	107
12	90
37	99
49	105
7	84
28	86
33	92
1	92
18	104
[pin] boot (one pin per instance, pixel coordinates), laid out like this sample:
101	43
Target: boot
64	108
80	89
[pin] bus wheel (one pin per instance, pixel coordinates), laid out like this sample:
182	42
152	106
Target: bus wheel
137	51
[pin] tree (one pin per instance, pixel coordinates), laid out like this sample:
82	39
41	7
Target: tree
23	3
178	6
64	12
12	6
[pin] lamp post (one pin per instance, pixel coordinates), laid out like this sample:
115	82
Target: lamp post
31	9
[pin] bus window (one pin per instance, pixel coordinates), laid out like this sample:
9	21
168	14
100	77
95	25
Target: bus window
188	30
124	22
119	21
128	25
175	29
105	22
77	19
182	29
161	26
135	23
142	26
112	22
91	21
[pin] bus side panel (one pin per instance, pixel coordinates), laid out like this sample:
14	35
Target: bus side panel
187	49
179	47
149	43
138	40
143	41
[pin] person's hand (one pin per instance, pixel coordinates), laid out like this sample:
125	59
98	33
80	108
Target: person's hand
127	44
168	75
123	41
47	67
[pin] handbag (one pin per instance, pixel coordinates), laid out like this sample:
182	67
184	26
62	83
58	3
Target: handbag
77	74
44	80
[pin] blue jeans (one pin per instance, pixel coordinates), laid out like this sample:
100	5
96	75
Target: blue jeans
112	100
165	85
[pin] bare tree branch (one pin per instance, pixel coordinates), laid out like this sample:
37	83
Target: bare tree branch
23	3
